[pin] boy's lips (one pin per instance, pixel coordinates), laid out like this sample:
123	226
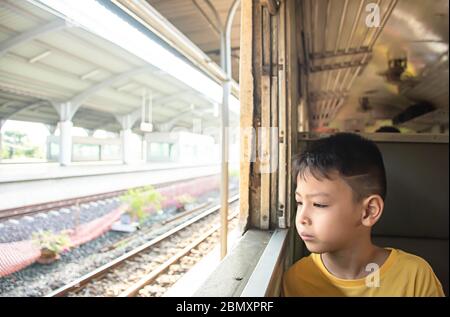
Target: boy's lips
306	237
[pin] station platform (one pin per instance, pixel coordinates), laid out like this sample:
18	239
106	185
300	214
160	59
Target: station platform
29	184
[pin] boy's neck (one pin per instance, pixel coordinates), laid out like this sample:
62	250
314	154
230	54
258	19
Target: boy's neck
351	263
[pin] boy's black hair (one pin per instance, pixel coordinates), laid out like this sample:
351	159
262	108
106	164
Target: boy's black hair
357	159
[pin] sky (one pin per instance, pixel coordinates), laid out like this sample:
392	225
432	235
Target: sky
37	132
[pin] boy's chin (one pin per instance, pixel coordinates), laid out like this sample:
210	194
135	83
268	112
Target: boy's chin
314	247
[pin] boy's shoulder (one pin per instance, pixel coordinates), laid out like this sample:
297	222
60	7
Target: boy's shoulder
302	266
417	269
411	261
303	278
414	265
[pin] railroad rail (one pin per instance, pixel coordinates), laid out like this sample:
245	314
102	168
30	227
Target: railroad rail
96	275
47	206
162	269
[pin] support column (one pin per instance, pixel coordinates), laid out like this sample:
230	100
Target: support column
65	142
125	140
127	122
224	170
66	112
225	62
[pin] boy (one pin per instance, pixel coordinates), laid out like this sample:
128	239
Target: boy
341	188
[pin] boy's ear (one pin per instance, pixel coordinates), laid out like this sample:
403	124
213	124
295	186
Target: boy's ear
372	210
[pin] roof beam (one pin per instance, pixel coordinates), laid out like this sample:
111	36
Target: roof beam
11	103
341	53
217	52
79	99
323	95
217	27
90	74
138	111
39	57
23	108
168	125
169	98
30	35
151	18
328	67
128	120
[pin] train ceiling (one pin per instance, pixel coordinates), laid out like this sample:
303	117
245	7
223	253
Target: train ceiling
360	73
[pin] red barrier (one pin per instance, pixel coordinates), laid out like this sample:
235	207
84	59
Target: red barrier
15	256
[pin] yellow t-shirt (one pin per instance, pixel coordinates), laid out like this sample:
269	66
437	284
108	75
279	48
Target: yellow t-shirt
402	274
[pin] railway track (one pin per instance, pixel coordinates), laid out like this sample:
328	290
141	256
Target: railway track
65	203
127	274
167	273
141	232
37	208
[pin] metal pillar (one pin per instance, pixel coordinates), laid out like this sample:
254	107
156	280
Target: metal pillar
224	171
226	61
66	112
127	122
125	139
65	142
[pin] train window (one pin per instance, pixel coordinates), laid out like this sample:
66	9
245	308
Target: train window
110	152
86	152
160	151
53	151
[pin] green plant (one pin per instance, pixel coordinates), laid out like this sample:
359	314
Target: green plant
53	242
185	199
17	145
142	199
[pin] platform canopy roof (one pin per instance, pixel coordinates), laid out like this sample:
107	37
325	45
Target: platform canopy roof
201	21
46	58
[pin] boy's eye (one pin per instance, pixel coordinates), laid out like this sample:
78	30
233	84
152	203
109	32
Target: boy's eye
299	203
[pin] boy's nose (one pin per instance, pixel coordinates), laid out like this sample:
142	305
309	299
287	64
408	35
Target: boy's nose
303	218
305	221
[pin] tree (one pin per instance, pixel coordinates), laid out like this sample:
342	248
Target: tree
16	144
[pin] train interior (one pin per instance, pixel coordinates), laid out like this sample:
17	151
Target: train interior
343	75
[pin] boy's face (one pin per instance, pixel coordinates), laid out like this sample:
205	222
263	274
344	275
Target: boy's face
328	218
